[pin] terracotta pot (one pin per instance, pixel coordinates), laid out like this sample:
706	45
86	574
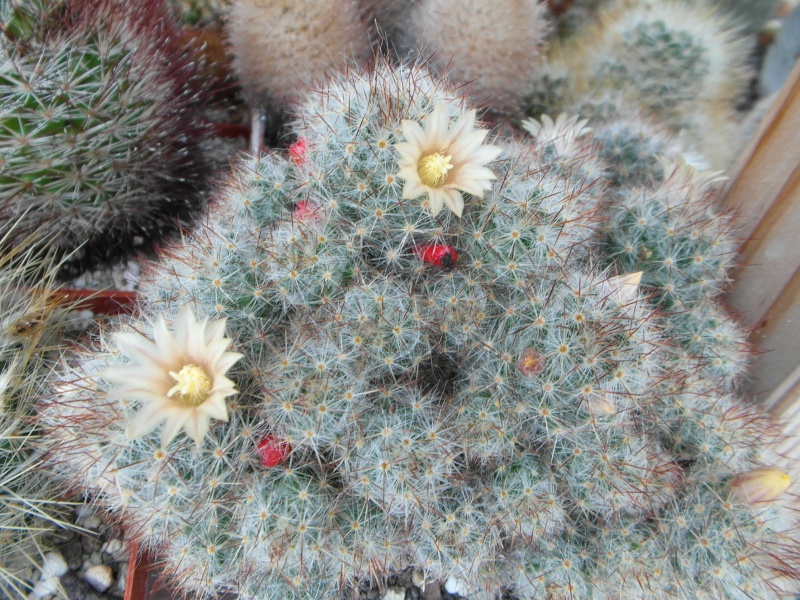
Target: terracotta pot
105	302
136	586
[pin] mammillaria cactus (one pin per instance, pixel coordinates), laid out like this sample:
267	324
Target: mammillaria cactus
100	139
434	373
281	49
681	61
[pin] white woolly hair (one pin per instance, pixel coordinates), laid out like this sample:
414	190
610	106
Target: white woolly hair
492	44
281	47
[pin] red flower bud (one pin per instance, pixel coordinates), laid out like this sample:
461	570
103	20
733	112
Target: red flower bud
305	211
439	255
273	451
298	151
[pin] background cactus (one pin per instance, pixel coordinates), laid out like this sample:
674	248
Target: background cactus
680	61
281	49
201	12
32	324
497	62
475	397
101	131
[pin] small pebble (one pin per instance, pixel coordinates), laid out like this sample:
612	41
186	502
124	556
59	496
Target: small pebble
114	547
45	587
99	577
92	523
122	577
418	579
453	585
90	544
96	559
432	592
54	565
394	594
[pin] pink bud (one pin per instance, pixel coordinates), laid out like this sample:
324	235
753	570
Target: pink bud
531	363
760	485
305	211
298	151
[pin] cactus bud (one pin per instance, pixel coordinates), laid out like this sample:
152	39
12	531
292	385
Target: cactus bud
531	363
760	485
625	287
298	151
305	211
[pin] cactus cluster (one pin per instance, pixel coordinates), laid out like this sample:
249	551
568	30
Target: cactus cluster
100	129
528	389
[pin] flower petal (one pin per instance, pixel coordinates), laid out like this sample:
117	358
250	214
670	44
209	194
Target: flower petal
454	201
436	200
174	424
413	132
413	189
436	124
145	420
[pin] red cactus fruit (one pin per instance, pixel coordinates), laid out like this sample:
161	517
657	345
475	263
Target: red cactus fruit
273	451
439	255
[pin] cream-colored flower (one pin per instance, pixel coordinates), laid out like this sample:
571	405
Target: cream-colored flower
680	174
562	133
442	162
180	376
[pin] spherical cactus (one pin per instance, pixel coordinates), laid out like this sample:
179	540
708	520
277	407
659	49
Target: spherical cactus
497	61
100	142
280	49
677	236
681	62
430	370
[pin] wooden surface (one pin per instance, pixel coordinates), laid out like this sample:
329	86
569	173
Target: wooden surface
765	190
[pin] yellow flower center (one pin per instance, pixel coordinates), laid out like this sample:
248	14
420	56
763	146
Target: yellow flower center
192	387
433	168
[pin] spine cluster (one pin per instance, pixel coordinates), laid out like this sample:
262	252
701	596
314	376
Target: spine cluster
31	327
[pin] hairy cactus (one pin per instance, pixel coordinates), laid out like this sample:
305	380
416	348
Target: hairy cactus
431	372
100	139
498	61
680	61
280	49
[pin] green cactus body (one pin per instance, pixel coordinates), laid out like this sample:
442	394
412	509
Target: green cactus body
678	61
100	151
